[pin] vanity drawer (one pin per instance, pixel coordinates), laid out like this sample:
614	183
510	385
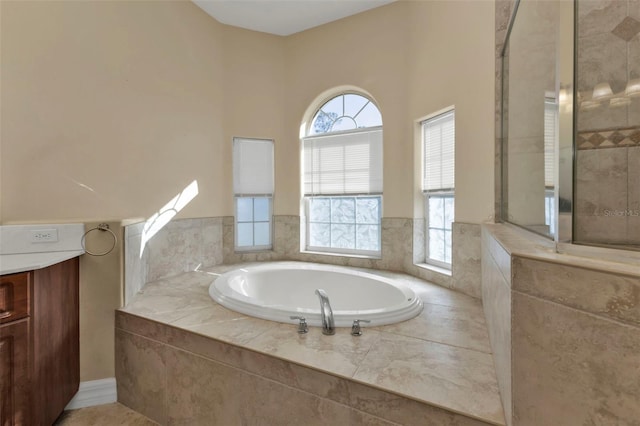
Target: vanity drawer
14	297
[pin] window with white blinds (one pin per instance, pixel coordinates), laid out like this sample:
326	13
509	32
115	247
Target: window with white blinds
438	135
252	167
253	189
343	163
438	171
550	136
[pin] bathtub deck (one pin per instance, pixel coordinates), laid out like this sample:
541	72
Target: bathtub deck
442	358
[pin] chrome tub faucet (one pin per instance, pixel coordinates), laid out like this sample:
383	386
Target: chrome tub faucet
326	313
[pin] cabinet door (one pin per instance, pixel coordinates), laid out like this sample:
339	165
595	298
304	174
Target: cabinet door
56	336
14	379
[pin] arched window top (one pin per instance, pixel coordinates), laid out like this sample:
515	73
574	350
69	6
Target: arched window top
348	111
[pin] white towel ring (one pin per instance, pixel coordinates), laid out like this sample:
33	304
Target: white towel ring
104	227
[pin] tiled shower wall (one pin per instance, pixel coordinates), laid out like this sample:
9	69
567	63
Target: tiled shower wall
608	131
185	244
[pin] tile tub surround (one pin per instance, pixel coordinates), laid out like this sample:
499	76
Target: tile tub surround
179	356
188	244
565	331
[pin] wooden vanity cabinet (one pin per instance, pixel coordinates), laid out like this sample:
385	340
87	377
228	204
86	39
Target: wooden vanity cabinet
39	354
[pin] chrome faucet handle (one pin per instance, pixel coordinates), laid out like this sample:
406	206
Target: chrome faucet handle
302	327
355	328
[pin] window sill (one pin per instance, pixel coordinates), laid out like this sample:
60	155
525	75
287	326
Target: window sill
327	253
433	268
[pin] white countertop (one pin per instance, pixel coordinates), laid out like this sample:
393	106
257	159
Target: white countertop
13	263
23	249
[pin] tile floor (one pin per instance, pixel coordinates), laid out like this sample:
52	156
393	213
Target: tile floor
103	415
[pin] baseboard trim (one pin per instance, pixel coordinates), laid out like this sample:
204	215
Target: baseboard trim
94	392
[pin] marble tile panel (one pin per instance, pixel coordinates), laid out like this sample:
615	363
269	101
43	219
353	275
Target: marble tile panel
239	330
570	367
634	8
599	16
159	300
287	236
200	395
601	182
601	229
397	244
184	245
202	316
141	381
341	353
496	301
494	248
428	273
419	247
458	379
634	184
456	326
466	276
614	296
597	65
140	325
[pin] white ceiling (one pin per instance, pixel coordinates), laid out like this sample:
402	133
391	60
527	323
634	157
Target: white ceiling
284	17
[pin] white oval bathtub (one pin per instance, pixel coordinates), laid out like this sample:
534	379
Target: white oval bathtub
277	290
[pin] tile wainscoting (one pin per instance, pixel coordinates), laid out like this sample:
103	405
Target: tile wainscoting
189	244
565	331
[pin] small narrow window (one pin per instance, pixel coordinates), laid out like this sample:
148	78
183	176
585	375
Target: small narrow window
438	143
550	138
253	190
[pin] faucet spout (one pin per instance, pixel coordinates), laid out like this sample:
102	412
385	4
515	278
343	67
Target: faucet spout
326	313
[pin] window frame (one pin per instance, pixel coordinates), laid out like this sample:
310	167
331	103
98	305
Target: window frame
238	196
448	192
440	194
253	247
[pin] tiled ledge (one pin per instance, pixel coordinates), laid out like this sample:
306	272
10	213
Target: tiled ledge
436	368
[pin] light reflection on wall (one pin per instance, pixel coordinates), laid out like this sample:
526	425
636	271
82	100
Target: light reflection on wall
163	216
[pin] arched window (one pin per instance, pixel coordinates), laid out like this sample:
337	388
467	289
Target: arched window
342	175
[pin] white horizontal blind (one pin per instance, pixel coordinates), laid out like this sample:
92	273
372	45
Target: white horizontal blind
439	152
347	163
550	132
252	166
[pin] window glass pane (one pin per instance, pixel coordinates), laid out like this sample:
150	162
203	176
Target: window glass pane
320	210
369	117
342	124
436	212
343	210
245	234
448	211
262	234
245	209
368	210
343	236
319	235
261	210
334	107
367	237
322	122
436	245
353	104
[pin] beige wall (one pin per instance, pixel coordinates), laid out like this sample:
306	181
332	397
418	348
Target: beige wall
452	64
109	109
